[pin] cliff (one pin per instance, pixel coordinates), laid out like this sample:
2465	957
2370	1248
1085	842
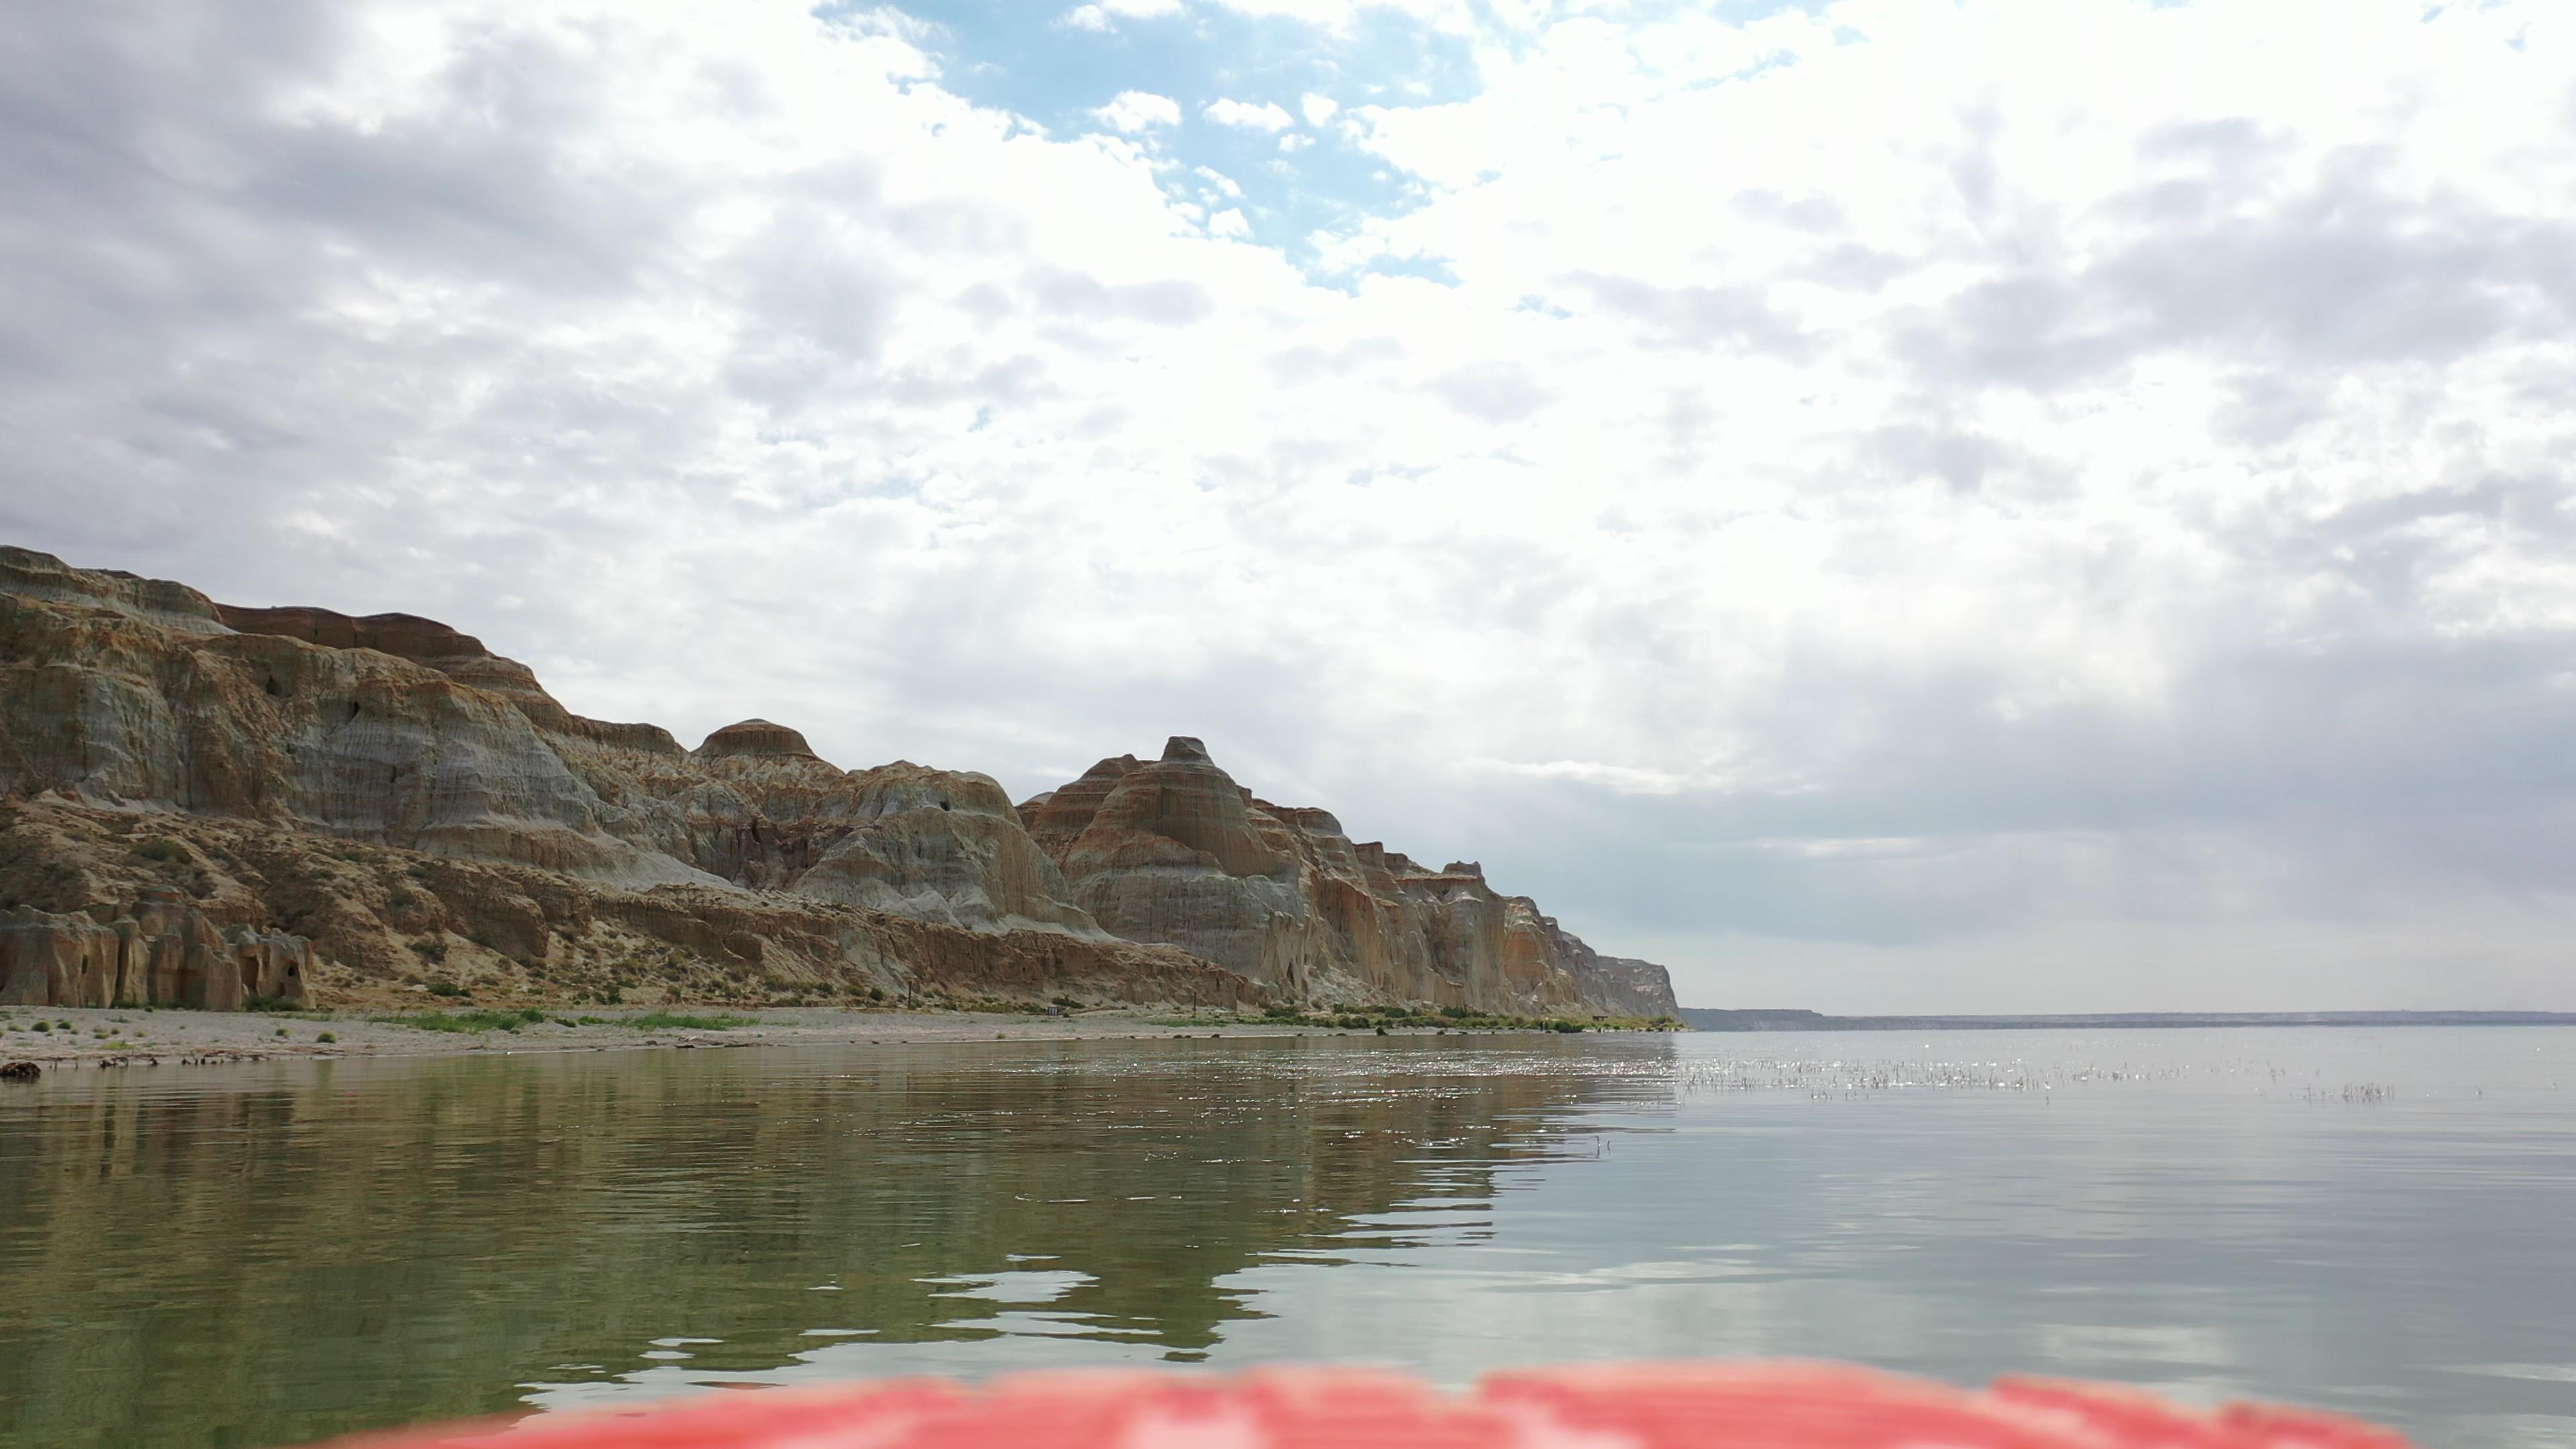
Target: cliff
383	803
304	801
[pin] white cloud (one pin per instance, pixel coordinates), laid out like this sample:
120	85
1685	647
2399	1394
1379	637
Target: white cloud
1130	112
1454	16
1267	116
1106	14
2150	504
1318	109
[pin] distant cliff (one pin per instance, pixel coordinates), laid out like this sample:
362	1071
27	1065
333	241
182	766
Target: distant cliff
308	802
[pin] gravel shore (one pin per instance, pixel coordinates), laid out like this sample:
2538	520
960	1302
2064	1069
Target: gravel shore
138	1037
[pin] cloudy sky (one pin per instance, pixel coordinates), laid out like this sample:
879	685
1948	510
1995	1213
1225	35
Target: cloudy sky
1891	504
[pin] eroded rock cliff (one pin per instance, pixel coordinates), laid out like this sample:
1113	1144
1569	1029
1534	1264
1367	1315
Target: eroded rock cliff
205	804
159	949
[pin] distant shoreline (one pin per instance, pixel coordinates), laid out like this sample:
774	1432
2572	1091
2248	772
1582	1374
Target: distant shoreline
1708	1019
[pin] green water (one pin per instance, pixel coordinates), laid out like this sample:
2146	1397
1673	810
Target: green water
273	1253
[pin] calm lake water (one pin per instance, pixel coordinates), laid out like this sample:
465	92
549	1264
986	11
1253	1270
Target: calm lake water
2381	1221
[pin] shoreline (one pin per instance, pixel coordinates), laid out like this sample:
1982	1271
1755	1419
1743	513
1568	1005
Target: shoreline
151	1037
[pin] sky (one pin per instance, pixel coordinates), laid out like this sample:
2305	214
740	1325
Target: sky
1887	505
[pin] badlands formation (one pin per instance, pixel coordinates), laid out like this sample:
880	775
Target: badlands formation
214	806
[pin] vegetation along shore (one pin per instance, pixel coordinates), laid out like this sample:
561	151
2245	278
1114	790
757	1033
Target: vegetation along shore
57	1038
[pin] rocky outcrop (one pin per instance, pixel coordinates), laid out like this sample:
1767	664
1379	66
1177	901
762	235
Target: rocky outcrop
1173	850
459	656
552	852
942	846
161	950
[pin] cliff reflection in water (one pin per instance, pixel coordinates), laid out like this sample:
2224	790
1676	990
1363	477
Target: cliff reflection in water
276	1253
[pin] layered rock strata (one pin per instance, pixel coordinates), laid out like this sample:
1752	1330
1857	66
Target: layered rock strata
361	803
419	810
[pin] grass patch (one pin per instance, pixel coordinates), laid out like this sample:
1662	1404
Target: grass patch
673	1021
467	1021
1459	1019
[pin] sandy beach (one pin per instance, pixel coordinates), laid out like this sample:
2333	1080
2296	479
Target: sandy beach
135	1037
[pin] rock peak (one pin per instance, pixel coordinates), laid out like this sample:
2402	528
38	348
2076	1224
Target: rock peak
1184	747
754	737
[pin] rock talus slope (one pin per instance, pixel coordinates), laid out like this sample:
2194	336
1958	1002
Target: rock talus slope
208	804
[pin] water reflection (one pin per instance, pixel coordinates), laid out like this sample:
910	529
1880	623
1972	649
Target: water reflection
279	1252
2376	1221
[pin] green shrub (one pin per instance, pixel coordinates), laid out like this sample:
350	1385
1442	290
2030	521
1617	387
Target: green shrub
328	1036
468	1021
671	1021
162	852
447	988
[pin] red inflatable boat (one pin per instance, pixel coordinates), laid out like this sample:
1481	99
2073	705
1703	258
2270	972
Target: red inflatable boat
1603	1406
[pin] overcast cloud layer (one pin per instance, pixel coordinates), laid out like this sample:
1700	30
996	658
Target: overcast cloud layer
2014	505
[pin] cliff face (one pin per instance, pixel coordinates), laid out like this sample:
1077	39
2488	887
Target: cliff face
1175	851
381	800
358	798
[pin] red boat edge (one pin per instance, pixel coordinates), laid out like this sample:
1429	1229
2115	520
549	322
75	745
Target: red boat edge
1657	1405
